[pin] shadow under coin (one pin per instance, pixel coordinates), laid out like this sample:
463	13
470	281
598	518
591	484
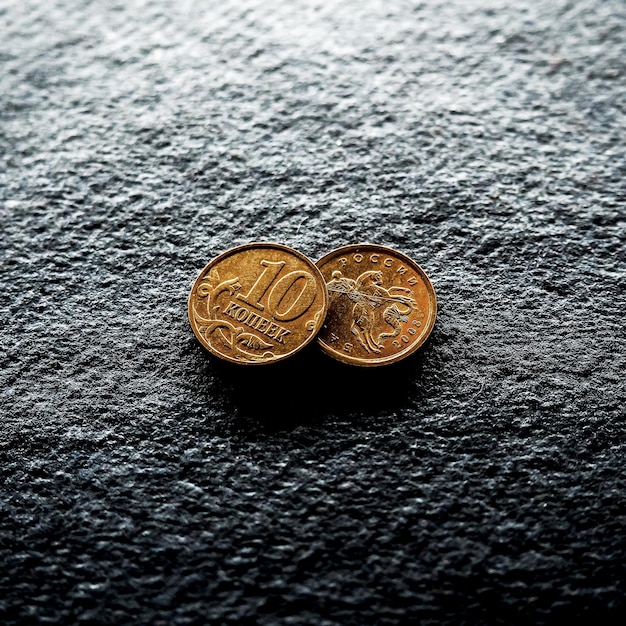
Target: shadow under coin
310	387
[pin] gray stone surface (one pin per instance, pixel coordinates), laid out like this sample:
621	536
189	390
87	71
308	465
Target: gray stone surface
482	481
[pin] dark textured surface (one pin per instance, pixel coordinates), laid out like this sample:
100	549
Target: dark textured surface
482	481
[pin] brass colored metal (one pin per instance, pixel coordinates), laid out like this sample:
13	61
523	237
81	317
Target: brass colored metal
258	303
382	305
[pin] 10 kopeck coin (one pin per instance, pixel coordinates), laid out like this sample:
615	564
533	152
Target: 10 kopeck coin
258	303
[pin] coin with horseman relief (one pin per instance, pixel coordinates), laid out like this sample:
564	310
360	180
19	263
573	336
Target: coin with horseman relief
258	303
382	305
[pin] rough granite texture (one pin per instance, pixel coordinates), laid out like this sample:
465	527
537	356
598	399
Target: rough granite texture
482	481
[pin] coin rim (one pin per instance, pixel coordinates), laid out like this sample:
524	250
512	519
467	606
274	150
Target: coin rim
432	306
247	246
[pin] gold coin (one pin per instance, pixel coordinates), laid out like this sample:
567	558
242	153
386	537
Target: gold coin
258	303
382	305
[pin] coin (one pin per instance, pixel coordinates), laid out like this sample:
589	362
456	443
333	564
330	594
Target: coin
257	303
382	305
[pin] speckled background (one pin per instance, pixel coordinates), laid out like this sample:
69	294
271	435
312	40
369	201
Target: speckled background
482	481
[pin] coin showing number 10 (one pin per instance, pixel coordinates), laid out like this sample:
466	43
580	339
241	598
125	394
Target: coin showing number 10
258	303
